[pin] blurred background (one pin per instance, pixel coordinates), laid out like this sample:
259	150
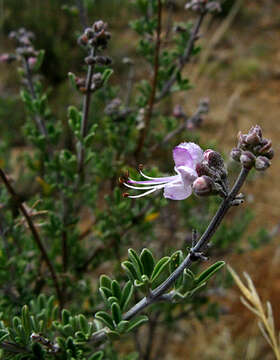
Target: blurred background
239	71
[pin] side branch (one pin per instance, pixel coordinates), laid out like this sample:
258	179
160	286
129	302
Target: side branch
184	58
39	121
159	293
35	234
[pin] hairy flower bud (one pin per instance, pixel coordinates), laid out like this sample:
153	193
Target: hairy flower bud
103	60
214	159
266	146
203	186
90	60
89	33
247	159
262	163
269	154
235	154
178	111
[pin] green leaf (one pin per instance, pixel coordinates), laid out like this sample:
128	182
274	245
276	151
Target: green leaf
116	312
65	316
134	258
105	293
130	270
148	261
133	324
116	290
97	356
105	281
208	273
126	295
113	335
38	351
72	78
105	319
40	59
122	326
106	75
159	268
83	323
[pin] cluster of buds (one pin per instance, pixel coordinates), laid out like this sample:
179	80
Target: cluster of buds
253	150
96	36
203	6
195	120
212	175
96	84
25	48
117	110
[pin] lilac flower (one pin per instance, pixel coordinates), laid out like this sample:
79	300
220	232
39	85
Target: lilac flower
178	187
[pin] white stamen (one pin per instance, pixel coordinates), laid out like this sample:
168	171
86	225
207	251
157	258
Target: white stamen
148	182
141	195
158	186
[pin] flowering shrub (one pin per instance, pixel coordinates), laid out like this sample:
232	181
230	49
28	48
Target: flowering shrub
64	218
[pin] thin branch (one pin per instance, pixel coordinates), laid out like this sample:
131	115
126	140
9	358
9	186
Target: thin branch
35	234
158	292
84	125
82	14
184	58
149	111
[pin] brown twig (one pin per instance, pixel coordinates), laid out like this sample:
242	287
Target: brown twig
35	234
149	111
183	59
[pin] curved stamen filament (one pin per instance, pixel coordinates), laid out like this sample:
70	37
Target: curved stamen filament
158	186
143	194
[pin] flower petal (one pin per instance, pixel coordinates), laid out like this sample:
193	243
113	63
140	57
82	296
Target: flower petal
177	191
182	157
183	152
188	175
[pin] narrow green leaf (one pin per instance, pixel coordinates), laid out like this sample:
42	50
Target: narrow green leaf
208	273
105	281
116	312
130	270
133	324
122	326
105	293
97	356
126	295
40	59
106	75
116	290
105	319
134	258
83	323
160	267
65	316
147	261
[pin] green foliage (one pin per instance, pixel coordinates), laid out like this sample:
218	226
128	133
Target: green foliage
67	179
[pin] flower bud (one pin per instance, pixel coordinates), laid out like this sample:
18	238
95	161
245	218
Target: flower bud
90	60
89	33
214	159
262	163
266	146
178	111
32	61
203	186
257	130
247	159
103	60
253	138
235	154
269	154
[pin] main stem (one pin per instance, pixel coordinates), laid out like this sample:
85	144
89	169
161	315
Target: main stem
158	292
35	234
149	112
84	125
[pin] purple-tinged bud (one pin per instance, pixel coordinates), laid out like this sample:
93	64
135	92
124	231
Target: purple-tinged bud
90	60
262	163
99	26
89	33
178	111
32	61
103	60
266	146
203	186
269	154
235	154
247	159
256	129
214	159
253	139
242	144
7	58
